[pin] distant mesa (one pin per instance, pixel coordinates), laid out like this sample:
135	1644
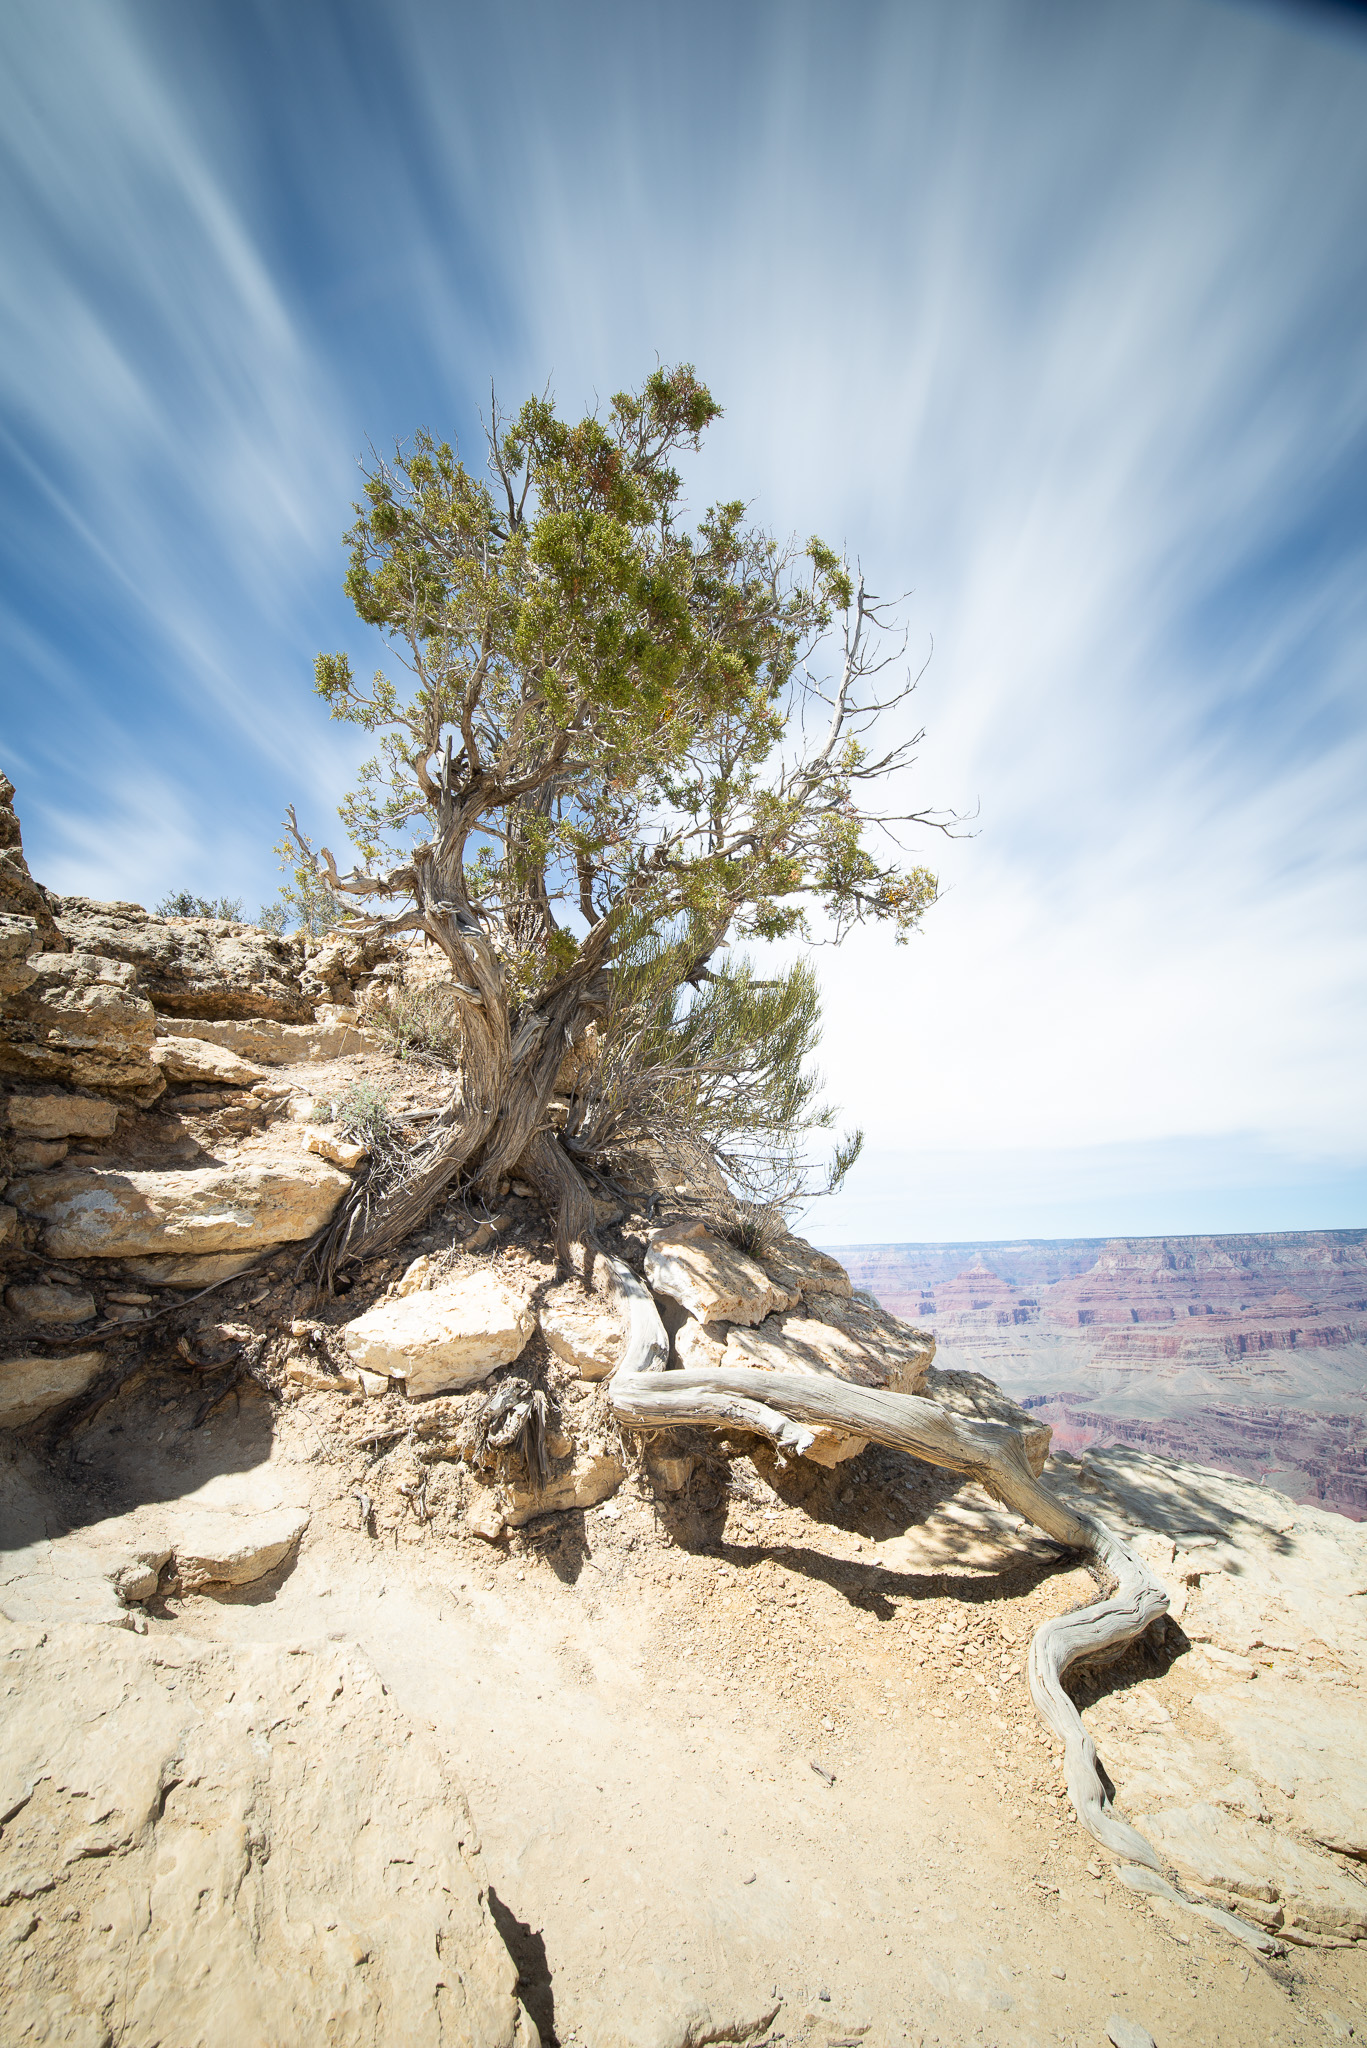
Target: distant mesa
1246	1352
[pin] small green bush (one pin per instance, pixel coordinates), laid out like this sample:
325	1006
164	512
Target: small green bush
182	903
418	1020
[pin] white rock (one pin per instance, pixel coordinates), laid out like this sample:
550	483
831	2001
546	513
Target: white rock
1260	1873
44	1304
712	1280
581	1330
980	1399
104	1213
414	1278
273	1044
448	1336
800	1269
328	1143
225	1549
29	1387
196	1059
61	1116
591	1478
701	1347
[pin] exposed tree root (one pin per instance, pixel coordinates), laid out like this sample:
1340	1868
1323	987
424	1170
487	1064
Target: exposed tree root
785	1407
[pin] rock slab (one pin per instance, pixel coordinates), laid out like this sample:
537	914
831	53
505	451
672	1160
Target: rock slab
233	1848
104	1213
452	1335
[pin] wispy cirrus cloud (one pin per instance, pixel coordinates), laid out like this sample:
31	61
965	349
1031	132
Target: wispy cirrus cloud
1050	312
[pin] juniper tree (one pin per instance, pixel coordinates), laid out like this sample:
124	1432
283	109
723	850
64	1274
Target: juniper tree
613	727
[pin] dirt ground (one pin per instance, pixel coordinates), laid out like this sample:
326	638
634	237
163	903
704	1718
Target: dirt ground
745	1765
753	1761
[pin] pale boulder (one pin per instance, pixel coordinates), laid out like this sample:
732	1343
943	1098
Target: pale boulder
800	1269
61	1116
979	1399
29	1387
194	1059
220	1548
711	1279
590	1477
700	1347
448	1336
250	1203
327	1143
581	1330
50	1304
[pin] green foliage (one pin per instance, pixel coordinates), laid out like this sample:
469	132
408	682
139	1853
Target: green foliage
305	903
601	714
726	1064
183	903
619	739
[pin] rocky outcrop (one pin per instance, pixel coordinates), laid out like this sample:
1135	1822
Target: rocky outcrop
581	1329
31	1386
231	1845
1250	1779
20	895
710	1279
244	1206
193	966
83	1021
451	1335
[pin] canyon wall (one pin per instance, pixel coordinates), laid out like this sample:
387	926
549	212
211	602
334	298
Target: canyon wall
1247	1352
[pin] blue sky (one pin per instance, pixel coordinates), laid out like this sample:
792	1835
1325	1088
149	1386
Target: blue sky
1053	312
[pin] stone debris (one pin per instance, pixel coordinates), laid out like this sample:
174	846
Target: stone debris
581	1329
448	1336
327	1143
30	1387
47	1304
60	1116
254	1799
712	1280
1126	2033
250	1203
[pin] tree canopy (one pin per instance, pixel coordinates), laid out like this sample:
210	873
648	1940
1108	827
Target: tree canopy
605	727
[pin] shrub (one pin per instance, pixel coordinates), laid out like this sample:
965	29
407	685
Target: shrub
182	903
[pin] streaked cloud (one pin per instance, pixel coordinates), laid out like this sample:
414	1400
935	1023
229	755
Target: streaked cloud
1051	312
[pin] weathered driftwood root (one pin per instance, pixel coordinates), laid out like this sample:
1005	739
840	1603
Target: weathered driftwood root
785	1407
